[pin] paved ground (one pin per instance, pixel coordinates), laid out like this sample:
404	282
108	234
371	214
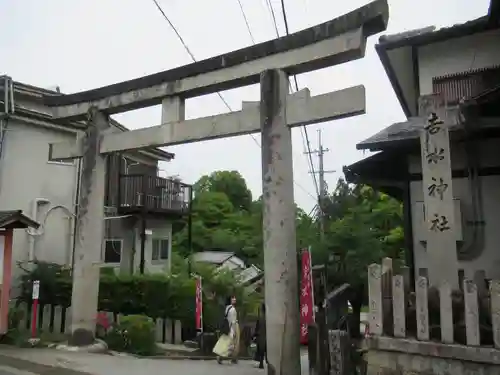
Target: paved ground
6	370
14	361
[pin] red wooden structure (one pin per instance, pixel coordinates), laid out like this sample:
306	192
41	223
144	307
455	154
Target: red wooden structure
9	220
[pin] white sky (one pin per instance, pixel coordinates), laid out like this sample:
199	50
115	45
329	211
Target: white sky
80	45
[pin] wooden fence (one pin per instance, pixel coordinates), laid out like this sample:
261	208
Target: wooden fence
469	316
56	320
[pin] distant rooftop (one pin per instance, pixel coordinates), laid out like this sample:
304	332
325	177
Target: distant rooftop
250	273
432	34
37	93
213	257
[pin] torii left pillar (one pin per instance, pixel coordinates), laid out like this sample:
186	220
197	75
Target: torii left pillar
90	231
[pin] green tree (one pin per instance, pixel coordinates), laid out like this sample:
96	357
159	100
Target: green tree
363	226
231	183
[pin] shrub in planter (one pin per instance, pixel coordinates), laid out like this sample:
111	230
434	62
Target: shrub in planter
134	334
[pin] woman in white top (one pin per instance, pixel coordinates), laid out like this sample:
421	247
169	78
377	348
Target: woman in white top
228	344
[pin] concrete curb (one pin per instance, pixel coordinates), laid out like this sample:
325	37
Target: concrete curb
192	357
37	368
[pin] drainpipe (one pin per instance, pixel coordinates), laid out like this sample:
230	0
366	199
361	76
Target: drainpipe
408	231
76	205
34	215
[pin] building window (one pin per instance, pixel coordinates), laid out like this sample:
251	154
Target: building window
113	251
160	249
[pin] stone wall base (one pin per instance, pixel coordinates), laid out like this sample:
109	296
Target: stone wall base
392	363
389	356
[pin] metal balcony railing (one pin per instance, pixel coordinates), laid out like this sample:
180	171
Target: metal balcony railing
153	194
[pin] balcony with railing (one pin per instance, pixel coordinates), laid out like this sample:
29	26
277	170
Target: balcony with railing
139	193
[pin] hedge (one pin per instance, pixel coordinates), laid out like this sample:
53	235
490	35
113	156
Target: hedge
153	295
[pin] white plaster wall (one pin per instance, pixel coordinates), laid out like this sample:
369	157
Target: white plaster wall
456	56
489	260
26	174
402	57
158	229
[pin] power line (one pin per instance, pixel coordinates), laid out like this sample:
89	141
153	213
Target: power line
175	30
220	95
273	16
322	183
304	128
271	10
303	133
246	21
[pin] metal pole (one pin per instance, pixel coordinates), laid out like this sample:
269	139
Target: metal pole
280	255
190	229
321	197
142	261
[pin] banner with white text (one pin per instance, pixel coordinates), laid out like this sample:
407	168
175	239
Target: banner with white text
306	295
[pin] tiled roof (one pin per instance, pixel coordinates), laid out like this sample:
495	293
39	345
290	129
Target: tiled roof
399	131
16	219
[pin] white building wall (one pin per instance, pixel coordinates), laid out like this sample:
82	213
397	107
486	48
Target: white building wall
156	229
26	174
456	56
489	259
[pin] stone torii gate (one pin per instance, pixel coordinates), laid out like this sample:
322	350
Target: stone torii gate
333	42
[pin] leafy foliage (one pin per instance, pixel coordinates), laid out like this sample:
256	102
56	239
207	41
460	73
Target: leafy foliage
361	227
156	295
231	184
133	334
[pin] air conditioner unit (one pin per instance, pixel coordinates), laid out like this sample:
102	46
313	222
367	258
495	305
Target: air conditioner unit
110	211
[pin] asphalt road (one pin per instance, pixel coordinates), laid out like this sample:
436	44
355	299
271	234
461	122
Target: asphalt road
98	364
5	370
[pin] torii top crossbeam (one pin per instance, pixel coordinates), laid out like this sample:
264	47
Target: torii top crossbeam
333	42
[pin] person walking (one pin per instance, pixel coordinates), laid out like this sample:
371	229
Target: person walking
227	347
260	336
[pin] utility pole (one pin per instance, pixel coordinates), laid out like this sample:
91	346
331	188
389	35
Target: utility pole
322	183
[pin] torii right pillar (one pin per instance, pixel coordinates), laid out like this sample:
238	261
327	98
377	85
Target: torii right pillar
280	256
438	193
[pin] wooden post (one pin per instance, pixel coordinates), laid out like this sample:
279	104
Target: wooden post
399	306
6	281
67	320
471	313
46	318
422	309
159	330
375	296
438	192
495	311
58	314
340	360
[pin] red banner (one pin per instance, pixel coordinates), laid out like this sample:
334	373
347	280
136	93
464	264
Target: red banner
306	296
199	305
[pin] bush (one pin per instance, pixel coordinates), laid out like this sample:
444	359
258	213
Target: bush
154	295
133	334
157	295
14	334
